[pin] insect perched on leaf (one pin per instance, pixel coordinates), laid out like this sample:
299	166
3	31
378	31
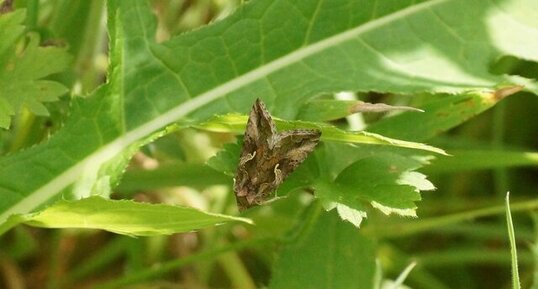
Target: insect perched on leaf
268	156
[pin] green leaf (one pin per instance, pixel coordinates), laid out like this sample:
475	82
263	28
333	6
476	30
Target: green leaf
6	111
21	72
280	50
363	174
237	123
384	180
351	215
331	254
226	160
439	116
122	217
382	177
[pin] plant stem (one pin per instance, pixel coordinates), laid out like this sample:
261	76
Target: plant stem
513	251
22	130
534	249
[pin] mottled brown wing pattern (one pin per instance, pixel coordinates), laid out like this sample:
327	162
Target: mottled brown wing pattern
295	146
260	128
268	157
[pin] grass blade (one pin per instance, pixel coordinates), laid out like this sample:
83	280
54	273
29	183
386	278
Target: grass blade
511	236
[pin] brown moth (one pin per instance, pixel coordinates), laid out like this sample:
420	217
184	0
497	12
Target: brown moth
268	156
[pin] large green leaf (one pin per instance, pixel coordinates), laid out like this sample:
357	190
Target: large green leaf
283	51
330	254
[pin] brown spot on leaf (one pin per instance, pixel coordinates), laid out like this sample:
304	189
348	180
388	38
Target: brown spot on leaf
506	91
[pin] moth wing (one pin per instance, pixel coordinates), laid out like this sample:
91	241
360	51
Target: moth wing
295	146
260	128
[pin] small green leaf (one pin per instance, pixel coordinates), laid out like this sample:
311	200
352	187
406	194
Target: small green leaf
21	72
11	29
351	215
331	254
381	176
226	160
122	217
385	182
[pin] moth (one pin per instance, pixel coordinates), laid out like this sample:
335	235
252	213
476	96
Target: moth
268	157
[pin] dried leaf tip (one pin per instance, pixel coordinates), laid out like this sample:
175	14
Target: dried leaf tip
506	91
379	107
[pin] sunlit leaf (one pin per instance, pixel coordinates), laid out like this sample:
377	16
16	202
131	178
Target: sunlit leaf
122	217
236	123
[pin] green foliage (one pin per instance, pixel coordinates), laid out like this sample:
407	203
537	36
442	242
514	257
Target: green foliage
166	127
327	255
23	64
122	217
236	123
439	116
